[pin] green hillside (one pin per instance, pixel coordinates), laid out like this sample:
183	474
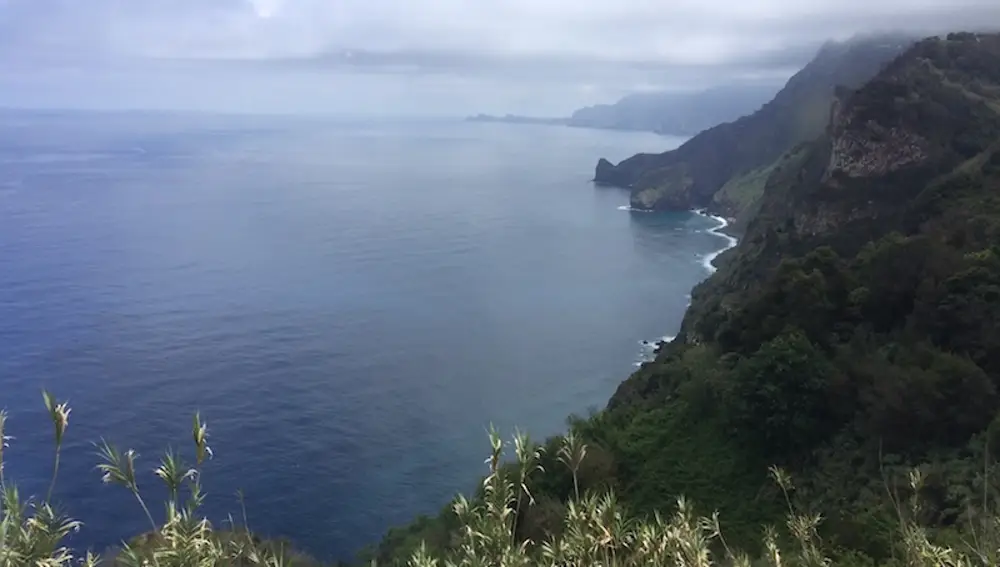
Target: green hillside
690	176
850	336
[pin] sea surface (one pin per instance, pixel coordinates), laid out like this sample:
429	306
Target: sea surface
348	303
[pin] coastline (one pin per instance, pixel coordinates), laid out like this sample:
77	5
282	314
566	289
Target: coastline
731	240
650	348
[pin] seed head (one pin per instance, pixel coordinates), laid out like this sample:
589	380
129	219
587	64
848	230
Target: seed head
200	435
58	413
4	438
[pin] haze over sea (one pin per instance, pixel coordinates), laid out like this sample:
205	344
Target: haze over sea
348	303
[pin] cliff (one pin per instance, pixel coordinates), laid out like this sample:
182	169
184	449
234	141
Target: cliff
851	334
692	175
850	337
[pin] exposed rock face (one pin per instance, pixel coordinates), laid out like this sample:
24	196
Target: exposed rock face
926	118
672	186
877	245
914	149
863	147
930	120
606	172
875	150
664	197
798	113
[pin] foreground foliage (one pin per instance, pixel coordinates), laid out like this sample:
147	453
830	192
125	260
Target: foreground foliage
33	532
594	529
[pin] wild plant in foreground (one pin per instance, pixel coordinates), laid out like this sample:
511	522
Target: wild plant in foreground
119	468
4	439
598	530
59	414
489	527
32	533
572	453
804	529
173	472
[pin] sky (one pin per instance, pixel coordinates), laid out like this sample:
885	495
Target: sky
543	57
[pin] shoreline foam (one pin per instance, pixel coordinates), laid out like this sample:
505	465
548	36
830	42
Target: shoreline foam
633	210
649	348
648	352
731	241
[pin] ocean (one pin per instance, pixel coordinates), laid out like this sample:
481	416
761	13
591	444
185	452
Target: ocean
348	303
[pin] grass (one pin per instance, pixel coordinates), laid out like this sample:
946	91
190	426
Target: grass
742	191
32	531
597	528
741	196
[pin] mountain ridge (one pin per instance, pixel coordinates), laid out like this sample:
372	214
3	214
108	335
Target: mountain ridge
667	113
690	176
849	337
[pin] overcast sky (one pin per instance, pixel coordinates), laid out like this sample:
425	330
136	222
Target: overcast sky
539	56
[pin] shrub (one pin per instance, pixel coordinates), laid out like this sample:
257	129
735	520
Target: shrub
780	395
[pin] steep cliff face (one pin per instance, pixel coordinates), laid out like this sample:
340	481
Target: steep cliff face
929	116
852	333
850	336
908	153
870	149
799	112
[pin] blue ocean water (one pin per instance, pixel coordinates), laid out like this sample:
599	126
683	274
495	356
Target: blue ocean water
349	304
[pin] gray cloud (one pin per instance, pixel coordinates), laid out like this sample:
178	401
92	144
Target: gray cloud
568	49
694	32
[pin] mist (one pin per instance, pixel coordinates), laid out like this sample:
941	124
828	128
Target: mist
452	57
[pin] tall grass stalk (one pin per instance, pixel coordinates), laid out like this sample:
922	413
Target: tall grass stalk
173	473
572	453
4	439
119	468
59	414
528	454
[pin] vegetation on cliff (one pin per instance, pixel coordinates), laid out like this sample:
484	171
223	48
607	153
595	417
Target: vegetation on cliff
848	332
849	338
691	175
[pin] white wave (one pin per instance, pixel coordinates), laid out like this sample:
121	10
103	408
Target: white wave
730	240
648	349
651	345
706	260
